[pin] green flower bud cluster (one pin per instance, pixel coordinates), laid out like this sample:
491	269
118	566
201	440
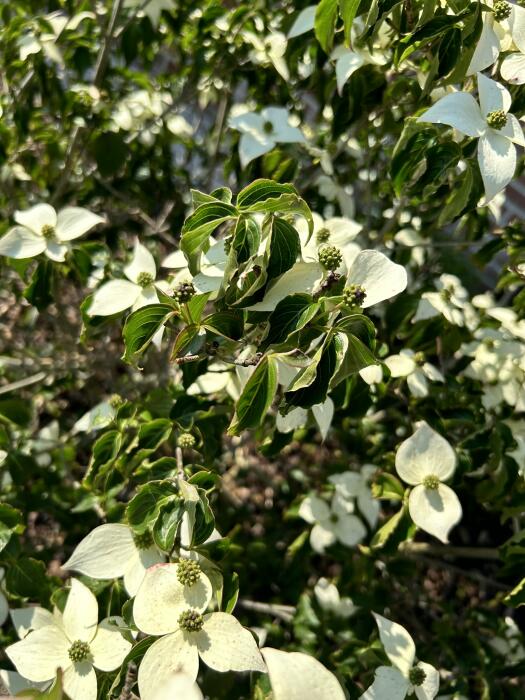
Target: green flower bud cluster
501	10
330	257
79	651
323	235
145	279
183	292
188	572
48	232
186	440
417	676
354	295
191	621
431	482
497	119
143	541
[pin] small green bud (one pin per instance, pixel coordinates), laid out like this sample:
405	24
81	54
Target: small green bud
115	401
268	127
186	440
501	10
354	295
191	621
144	279
417	676
188	572
79	651
183	292
419	358
497	119
330	257
48	232
431	482
143	541
322	235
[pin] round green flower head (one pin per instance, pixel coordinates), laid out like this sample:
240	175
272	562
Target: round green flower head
501	10
183	292
419	357
322	235
191	621
144	279
354	295
115	401
186	440
497	119
431	482
330	257
416	675
268	127
48	232
188	572
143	541
79	651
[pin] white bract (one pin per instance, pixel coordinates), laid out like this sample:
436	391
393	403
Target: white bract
424	461
298	676
323	414
356	485
73	642
110	551
347	61
96	418
304	22
179	685
329	599
331	523
262	131
405	676
498	35
152	9
408	364
338	231
166	606
489	121
41	230
38	40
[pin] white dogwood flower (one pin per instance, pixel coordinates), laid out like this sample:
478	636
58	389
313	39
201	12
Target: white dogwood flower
172	601
298	676
451	301
489	121
269	50
262	131
413	367
338	231
425	460
152	9
503	27
329	599
356	485
36	40
41	230
405	676
73	642
347	61
111	551
331	523
377	278
137	291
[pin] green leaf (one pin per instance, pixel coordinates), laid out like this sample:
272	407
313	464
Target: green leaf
204	520
230	593
152	434
290	315
449	51
355	357
430	30
325	19
39	292
516	597
228	324
387	531
310	386
246	239
348	10
11	520
387	486
256	397
284	246
141	326
167	525
439	159
144	508
409	156
110	153
199	226
103	456
260	191
27	578
458	199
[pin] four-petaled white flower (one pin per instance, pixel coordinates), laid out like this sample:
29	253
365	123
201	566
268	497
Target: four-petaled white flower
73	642
409	364
41	230
331	523
153	8
503	27
424	461
451	301
111	551
356	485
405	676
489	121
172	601
347	61
338	231
36	40
262	131
269	50
137	291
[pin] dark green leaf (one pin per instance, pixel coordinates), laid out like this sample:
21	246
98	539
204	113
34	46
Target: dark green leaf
256	397
141	326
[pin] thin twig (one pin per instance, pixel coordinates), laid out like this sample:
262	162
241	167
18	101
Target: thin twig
21	383
491	553
282	612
